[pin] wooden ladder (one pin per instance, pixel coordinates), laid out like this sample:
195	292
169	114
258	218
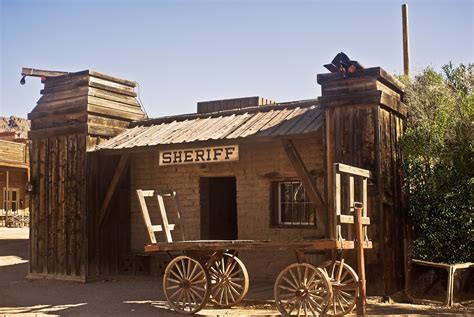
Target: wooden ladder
166	227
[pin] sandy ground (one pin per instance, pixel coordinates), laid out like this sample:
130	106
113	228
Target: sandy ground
130	295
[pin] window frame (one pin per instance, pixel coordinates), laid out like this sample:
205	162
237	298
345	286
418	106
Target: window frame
275	188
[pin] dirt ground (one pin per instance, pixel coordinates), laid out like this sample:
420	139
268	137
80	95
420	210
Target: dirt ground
131	295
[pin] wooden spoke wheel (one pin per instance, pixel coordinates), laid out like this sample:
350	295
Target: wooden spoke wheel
302	289
186	285
229	281
344	286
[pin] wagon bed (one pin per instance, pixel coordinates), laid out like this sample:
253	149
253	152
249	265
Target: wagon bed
210	245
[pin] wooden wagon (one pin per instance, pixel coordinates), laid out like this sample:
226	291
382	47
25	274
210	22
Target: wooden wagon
203	271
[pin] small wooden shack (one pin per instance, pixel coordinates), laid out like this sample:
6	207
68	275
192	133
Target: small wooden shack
246	168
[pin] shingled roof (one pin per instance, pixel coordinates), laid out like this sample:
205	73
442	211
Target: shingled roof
284	119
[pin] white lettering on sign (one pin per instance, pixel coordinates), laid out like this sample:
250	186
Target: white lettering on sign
227	153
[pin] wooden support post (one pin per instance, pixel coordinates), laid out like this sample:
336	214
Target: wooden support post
308	184
406	41
361	300
112	186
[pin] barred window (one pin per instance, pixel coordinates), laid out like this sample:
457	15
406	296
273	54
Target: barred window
292	206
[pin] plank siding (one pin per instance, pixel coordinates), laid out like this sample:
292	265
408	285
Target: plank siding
64	127
363	129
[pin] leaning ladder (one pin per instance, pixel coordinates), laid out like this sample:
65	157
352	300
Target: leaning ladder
166	227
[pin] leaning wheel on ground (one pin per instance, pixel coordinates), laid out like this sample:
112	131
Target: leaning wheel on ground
229	281
344	286
302	289
186	285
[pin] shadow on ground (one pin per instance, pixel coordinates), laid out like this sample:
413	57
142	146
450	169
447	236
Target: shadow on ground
129	295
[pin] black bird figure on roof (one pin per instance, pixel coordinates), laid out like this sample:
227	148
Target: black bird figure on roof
343	64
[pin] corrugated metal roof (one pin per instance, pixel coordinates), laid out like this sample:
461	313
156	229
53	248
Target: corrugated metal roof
264	121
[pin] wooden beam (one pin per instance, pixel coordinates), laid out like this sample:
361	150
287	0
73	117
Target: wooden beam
25	71
119	171
303	173
355	171
141	194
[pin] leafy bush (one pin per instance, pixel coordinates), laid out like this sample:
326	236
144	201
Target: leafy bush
438	149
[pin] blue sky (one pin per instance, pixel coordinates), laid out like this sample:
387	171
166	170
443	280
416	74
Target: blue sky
182	52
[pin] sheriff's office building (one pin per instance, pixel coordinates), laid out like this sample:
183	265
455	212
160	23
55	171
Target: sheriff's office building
246	168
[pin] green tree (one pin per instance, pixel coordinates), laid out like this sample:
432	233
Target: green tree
438	147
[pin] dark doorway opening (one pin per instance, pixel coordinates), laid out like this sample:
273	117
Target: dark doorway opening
218	208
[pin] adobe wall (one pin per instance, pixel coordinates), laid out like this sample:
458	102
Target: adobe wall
257	164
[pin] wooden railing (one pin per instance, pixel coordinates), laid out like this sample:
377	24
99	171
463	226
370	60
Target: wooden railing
357	183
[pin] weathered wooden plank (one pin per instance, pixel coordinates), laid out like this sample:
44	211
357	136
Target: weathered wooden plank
34	205
146	215
42	228
112	78
66	86
348	219
81	250
55	121
112	84
62	95
26	71
302	172
62	149
118	174
164	217
58	105
344	168
109	95
106	86
214	245
51	132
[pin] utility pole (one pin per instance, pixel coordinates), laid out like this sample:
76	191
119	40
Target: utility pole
406	41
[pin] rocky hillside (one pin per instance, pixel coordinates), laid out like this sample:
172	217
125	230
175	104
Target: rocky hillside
14	124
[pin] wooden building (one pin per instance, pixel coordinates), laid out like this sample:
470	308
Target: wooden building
246	168
14	172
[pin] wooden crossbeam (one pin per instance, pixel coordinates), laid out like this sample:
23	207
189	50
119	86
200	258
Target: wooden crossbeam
350	219
295	159
25	71
119	171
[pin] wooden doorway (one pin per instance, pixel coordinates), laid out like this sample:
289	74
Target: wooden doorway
218	208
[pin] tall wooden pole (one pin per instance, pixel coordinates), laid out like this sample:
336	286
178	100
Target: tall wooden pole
406	41
360	241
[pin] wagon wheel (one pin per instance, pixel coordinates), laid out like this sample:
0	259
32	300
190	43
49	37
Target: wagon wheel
229	281
186	285
345	289
302	289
